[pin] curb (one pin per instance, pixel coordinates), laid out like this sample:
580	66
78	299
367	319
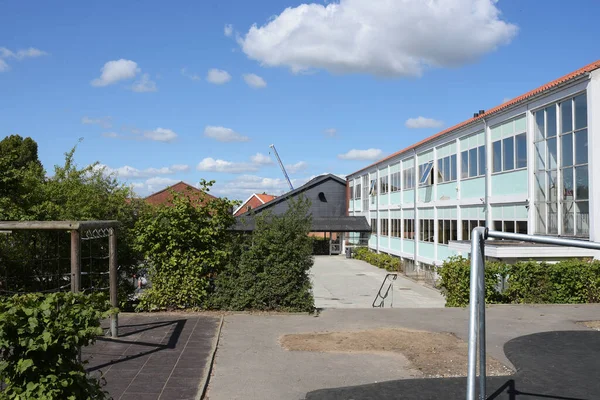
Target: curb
209	364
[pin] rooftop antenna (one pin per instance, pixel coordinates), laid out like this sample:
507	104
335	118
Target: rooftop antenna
281	166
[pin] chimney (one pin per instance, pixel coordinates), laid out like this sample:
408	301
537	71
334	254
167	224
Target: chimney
481	112
475	115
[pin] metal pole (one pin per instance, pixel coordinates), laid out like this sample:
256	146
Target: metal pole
75	261
481	303
112	276
473	314
545	239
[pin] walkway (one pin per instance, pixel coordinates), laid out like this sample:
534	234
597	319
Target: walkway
157	356
339	282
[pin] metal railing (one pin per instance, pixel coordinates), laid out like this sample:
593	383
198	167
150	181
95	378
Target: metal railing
391	278
477	297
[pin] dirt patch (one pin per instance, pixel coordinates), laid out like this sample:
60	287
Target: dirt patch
434	354
592	324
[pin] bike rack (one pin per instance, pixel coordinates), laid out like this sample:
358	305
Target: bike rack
477	297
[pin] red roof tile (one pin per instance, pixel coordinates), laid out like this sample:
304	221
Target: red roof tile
581	71
265	198
165	196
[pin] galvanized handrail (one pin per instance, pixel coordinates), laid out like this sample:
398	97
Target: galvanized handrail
477	297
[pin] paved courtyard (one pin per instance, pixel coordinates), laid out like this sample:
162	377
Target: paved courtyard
157	356
339	282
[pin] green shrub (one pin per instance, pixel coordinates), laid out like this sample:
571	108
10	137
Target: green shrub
40	337
566	282
382	260
320	246
186	244
268	269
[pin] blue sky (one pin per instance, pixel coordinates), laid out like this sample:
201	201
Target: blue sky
328	78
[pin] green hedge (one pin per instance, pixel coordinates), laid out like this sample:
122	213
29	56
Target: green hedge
385	261
40	337
566	282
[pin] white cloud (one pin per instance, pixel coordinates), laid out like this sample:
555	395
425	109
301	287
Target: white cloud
144	85
19	56
383	38
104	122
194	77
223	134
128	172
261	159
255	81
295	168
180	167
110	134
244	185
218	76
161	135
114	71
369	154
228	30
331	132
422	122
211	165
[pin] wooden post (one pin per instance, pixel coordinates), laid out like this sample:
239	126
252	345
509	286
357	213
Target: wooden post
75	261
112	276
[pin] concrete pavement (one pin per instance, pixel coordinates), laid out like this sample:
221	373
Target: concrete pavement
339	282
250	363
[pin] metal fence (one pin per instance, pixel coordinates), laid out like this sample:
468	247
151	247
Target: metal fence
52	256
477	343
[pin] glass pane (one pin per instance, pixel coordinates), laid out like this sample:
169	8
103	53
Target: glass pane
447	169
522	227
540	217
453	231
481	160
497	156
552	189
521	145
539	125
567	189
566	116
551	121
453	167
440	231
581	183
441	170
582	218
472	162
581	147
509	226
552	218
580	111
568	218
498	225
508	153
465	231
540	186
540	156
551	153
567	150
464	164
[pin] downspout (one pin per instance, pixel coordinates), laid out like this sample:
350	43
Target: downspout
488	159
416	228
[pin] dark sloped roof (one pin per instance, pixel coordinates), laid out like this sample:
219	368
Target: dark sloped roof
319	224
313	182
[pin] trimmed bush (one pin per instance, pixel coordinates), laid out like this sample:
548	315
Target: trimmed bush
566	282
40	337
382	260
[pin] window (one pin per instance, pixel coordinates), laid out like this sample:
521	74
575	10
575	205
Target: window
373	190
373	226
395	181
425	174
357	192
511	226
521	151
409	229
383	184
561	174
467	227
510	153
447	169
248	208
408	176
395	223
351	190
384	227
365	192
426	230
472	162
447	230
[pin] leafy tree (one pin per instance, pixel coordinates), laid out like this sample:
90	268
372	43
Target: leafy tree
269	269
185	244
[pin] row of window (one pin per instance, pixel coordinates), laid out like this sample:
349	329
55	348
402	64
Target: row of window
510	153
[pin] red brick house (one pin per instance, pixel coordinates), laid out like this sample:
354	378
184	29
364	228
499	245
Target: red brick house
165	196
254	201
